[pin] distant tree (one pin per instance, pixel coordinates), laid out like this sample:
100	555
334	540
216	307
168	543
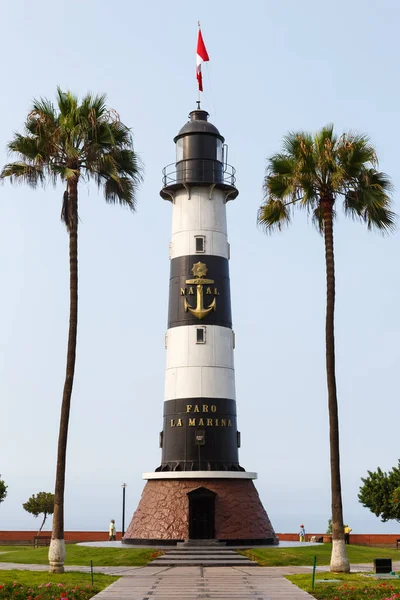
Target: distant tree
381	493
329	530
3	490
41	503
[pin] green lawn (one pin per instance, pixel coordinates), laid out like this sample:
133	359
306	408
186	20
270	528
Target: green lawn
272	556
36	578
351	587
80	555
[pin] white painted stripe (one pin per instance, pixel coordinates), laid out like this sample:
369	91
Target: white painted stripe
201	475
183	243
183	351
199	215
199	382
199	211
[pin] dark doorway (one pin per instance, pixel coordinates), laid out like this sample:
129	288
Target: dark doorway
201	514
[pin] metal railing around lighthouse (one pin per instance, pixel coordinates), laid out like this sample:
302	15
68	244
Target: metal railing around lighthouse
199	171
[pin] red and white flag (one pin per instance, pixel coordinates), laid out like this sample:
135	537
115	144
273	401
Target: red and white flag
201	56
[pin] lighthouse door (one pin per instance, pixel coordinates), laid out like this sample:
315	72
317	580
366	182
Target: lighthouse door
201	514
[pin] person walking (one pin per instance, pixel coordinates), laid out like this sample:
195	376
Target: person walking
347	531
302	534
112	531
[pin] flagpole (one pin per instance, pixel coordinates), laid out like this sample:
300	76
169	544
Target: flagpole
198	101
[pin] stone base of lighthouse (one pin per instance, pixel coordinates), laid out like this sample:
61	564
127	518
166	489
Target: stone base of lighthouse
178	509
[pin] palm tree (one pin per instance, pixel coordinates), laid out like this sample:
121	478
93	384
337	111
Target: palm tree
315	172
71	142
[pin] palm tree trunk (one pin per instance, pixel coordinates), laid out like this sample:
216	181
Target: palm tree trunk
57	546
339	560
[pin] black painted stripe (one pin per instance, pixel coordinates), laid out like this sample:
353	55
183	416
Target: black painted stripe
186	418
181	272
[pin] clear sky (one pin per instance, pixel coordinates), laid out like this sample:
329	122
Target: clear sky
274	67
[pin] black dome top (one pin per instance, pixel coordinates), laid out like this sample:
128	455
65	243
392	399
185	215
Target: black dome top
198	124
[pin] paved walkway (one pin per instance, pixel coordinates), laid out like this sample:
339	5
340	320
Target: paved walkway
222	583
189	583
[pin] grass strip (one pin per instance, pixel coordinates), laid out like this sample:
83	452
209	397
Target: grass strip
81	556
272	556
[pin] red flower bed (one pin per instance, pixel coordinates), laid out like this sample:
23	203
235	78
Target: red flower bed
378	591
46	591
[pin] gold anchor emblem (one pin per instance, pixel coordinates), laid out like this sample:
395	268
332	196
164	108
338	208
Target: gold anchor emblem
199	271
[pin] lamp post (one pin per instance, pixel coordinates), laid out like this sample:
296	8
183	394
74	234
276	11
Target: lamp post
123	509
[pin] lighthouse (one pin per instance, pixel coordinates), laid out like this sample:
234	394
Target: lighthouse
200	490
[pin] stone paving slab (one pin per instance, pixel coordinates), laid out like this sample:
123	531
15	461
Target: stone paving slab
218	583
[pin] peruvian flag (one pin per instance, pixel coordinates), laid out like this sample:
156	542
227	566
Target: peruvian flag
201	56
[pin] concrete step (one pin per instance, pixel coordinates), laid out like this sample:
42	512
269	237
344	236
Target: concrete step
201	556
185	552
209	543
204	562
194	556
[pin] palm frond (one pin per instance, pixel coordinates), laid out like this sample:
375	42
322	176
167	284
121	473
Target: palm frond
65	211
355	153
93	106
120	190
325	157
325	139
114	170
122	135
290	175
281	164
280	187
67	104
65	173
296	144
22	172
369	201
127	161
318	219
272	215
307	191
41	122
379	217
27	147
45	107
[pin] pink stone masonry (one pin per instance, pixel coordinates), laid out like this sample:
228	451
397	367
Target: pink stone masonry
163	511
